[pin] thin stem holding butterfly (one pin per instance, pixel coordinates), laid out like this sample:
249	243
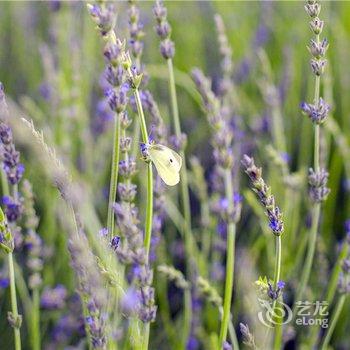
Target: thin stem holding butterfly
135	81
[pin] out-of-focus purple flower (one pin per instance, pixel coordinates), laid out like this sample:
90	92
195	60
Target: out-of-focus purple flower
54	5
226	346
13	208
45	91
10	157
103	118
130	301
318	185
4	282
163	29
54	298
192	343
103	232
347	226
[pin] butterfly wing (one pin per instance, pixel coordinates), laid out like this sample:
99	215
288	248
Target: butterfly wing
167	162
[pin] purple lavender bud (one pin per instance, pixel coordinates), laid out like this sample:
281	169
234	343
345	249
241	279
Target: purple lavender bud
281	284
5	134
317	113
318	185
160	11
313	10
53	298
167	48
318	49
127	191
104	17
117	100
163	30
125	121
115	242
318	66
13	208
144	151
127	168
316	25
114	75
125	144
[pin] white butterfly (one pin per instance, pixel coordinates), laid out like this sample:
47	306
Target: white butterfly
167	162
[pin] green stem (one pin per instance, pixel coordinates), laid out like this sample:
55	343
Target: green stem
317	206
149	206
149	209
231	232
35	332
187	317
337	312
114	175
14	301
277	274
145	341
230	260
310	255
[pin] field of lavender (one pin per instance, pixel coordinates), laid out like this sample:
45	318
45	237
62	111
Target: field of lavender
175	175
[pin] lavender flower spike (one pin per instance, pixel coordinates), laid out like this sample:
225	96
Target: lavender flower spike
264	193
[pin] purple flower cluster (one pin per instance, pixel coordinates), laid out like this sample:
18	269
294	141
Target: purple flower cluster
163	29
316	112
13	208
264	193
318	190
9	156
90	286
226	53
69	325
222	142
104	16
32	241
136	32
54	298
275	293
131	252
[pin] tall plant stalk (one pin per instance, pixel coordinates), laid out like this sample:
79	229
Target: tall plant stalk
14	306
319	192
114	175
230	260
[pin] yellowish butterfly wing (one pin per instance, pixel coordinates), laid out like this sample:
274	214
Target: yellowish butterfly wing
167	162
